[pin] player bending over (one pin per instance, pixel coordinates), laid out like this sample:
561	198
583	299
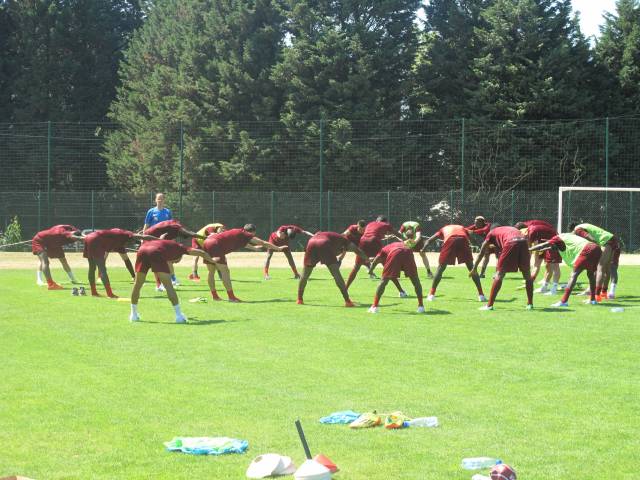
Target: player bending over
513	256
324	247
456	248
539	231
413	239
481	227
608	265
221	244
198	242
354	234
281	238
98	244
580	254
396	258
48	244
157	255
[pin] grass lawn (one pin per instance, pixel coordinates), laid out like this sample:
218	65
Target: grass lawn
85	394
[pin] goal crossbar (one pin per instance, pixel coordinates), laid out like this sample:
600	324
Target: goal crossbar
561	190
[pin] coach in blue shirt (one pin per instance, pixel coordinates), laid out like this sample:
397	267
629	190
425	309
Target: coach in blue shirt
157	214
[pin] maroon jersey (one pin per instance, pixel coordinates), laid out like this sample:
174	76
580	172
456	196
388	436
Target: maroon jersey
377	230
168	250
97	243
227	242
452	231
500	236
333	242
480	231
388	249
53	238
278	241
540	232
530	223
170	227
353	234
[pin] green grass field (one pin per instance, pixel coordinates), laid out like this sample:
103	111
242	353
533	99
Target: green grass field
85	394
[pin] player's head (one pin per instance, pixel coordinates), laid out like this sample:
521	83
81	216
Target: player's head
520	225
381	218
291	233
220	229
480	221
250	227
409	233
361	225
160	200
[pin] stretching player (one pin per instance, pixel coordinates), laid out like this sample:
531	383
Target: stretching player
324	247
539	231
608	265
221	244
481	227
354	234
456	248
157	255
48	244
580	254
371	244
396	258
169	230
96	247
514	255
413	239
198	242
281	238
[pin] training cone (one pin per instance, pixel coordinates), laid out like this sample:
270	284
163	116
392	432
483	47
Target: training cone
312	470
270	464
327	462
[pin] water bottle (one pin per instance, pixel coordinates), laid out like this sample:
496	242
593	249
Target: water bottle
423	422
478	463
477	476
617	309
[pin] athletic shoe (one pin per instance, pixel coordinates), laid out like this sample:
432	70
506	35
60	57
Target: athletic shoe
82	291
482	298
113	295
40	283
373	309
403	295
55	286
300	301
481	275
160	288
541	290
175	283
431	298
194	277
560	304
349	304
235	300
373	276
74	292
429	275
267	277
486	308
296	276
591	302
611	296
134	318
550	292
420	309
181	319
529	307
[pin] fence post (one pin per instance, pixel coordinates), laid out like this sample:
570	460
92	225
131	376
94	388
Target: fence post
462	140
49	172
513	199
93	227
451	206
388	206
329	210
181	167
606	172
213	206
39	210
273	199
321	168
630	222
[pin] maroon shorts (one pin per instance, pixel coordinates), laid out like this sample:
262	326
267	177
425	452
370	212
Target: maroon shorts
615	246
214	251
52	251
93	249
455	249
370	246
514	256
319	250
150	260
552	256
397	261
278	242
588	258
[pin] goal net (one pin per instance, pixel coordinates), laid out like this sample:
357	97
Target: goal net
615	209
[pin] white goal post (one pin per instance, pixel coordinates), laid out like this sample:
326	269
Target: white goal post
561	190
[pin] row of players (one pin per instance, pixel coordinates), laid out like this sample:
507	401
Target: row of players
587	248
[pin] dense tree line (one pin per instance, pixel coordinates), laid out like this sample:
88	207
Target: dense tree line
253	90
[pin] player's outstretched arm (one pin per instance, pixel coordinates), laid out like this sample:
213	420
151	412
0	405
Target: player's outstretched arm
189	233
481	255
269	246
138	236
429	241
374	263
196	252
541	247
308	234
584	234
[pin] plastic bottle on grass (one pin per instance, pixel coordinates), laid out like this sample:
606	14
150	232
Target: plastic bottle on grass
478	463
423	422
477	476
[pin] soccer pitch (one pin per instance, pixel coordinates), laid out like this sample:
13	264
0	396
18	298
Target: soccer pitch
88	395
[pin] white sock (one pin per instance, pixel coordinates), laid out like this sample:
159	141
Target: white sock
71	276
612	288
178	311
134	309
554	287
41	280
544	284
